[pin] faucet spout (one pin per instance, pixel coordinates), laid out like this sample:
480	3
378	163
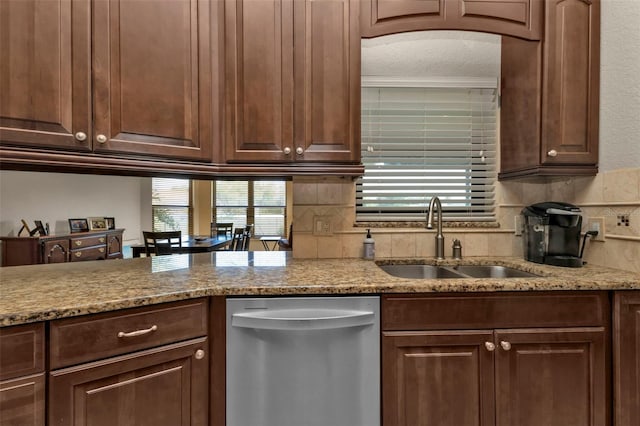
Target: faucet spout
435	204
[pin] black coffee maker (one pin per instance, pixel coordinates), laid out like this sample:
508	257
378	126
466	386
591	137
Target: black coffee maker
552	234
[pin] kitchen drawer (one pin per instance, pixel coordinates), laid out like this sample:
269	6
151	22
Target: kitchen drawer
496	310
21	350
88	338
92	240
90	253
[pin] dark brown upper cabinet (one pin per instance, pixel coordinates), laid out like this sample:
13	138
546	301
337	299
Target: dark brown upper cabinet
518	18
111	77
292	81
550	95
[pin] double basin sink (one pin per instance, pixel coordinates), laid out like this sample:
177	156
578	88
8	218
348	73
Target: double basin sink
460	271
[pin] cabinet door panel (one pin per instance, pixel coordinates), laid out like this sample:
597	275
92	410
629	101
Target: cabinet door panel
327	72
44	73
151	80
259	79
166	386
571	82
55	251
520	18
22	401
626	358
552	377
437	379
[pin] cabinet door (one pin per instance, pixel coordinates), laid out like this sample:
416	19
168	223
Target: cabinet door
571	66
626	356
259	80
114	246
327	80
22	401
437	379
152	77
44	73
551	377
55	251
166	386
380	17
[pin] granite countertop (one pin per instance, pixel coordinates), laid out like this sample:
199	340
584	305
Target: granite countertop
45	292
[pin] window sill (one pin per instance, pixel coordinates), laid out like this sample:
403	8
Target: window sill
421	224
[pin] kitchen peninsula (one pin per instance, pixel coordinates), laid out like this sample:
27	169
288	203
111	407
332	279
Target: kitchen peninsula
164	317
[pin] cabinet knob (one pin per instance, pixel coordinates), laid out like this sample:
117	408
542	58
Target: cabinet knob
81	136
101	138
490	346
552	153
505	345
199	354
299	150
287	151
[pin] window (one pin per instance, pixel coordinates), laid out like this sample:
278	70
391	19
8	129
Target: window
422	139
261	203
170	204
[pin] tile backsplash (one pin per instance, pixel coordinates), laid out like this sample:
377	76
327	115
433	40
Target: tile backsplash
608	195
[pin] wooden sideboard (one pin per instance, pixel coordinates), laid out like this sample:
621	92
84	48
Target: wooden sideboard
96	245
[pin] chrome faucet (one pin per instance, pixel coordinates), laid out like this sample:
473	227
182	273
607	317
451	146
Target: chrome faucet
435	202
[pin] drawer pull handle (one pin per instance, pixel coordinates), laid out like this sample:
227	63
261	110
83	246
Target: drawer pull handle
78	243
490	346
505	345
138	332
101	249
78	254
101	239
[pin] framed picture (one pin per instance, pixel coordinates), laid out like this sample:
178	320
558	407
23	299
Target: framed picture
97	223
78	225
111	222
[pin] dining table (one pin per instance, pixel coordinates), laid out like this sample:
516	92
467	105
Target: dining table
192	244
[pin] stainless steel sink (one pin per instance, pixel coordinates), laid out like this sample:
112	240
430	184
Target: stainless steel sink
420	271
491	271
462	271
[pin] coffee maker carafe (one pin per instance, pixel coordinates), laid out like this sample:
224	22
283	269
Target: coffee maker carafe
552	234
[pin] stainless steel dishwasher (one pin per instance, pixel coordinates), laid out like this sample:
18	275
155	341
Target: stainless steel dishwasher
312	361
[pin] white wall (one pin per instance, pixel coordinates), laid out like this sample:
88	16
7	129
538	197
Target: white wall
55	197
620	85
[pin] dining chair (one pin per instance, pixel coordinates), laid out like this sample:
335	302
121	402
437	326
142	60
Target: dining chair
221	229
162	243
286	243
238	242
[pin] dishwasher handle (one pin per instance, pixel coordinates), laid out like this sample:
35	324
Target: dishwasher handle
302	319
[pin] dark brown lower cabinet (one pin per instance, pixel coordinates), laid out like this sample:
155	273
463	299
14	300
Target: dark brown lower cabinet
626	358
530	362
22	401
164	386
437	378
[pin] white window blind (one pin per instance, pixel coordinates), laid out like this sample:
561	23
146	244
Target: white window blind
261	203
170	204
422	139
231	202
269	201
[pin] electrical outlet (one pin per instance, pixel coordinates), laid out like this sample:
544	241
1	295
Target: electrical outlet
596	224
322	225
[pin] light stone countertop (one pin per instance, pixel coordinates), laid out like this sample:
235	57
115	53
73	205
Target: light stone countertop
45	292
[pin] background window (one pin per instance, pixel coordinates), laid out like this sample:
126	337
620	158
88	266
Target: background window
422	139
171	205
261	203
